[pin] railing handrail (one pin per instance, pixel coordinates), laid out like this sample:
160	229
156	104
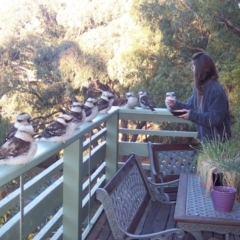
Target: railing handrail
47	149
74	161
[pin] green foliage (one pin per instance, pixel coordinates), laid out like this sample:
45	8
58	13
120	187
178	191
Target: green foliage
191	26
52	49
47	66
230	76
4	126
222	157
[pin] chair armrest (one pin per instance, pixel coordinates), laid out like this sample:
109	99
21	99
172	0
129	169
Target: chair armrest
164	184
158	235
158	191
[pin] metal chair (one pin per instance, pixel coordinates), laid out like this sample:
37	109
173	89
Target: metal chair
167	161
131	208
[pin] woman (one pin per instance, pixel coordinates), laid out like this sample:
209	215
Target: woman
208	107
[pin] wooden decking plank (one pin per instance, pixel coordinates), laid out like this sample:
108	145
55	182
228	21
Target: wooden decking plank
171	223
156	220
188	236
207	235
218	236
101	231
160	222
110	237
142	222
98	226
231	237
235	237
151	218
105	232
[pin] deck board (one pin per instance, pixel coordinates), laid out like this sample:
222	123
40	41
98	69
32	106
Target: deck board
98	227
101	230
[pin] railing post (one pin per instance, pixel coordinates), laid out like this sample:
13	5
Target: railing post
72	190
111	146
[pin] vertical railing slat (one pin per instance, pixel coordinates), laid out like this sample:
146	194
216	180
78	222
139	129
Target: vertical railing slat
72	190
111	146
21	200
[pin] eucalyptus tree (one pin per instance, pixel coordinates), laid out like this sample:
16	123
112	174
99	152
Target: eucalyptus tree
51	50
188	26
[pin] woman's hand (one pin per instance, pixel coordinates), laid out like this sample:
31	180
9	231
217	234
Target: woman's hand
185	115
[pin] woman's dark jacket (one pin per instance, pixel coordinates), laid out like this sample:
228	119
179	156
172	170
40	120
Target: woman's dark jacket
212	118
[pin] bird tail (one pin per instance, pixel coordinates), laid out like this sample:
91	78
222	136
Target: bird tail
152	108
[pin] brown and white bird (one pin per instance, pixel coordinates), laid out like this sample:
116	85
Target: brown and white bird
78	112
132	100
169	95
22	119
91	109
19	149
59	130
145	101
105	102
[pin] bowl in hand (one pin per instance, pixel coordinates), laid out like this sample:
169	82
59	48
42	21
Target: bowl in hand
178	112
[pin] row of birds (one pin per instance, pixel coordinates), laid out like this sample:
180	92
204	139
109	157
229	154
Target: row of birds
21	146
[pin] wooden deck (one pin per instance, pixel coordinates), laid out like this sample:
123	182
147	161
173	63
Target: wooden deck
101	230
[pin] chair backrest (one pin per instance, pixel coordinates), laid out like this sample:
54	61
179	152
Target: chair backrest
125	196
171	159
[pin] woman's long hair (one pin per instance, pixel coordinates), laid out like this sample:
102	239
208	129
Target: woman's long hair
205	69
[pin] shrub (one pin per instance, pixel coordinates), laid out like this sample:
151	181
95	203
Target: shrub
4	126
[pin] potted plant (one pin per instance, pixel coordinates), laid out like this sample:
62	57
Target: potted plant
216	156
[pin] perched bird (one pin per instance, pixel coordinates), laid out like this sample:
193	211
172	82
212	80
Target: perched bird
145	101
110	97
91	109
78	112
105	102
59	130
22	119
19	149
132	100
169	95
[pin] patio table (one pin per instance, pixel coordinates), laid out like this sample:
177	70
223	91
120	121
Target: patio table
194	210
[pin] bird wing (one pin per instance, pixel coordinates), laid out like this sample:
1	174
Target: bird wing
54	129
145	100
102	104
77	115
14	147
11	132
88	110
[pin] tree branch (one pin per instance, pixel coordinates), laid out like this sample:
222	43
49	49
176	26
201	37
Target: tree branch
229	24
45	117
140	125
32	91
180	44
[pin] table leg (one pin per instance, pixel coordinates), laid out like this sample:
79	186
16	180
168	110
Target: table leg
197	235
227	236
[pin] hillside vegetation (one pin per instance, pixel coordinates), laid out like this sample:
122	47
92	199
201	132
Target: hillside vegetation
51	50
